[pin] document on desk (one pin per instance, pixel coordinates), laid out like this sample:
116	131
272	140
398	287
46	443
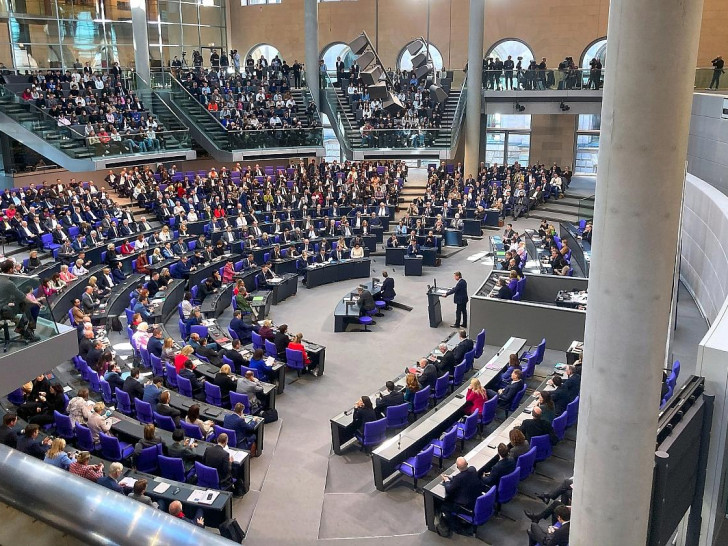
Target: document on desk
161	488
127	482
238	456
494	364
270	361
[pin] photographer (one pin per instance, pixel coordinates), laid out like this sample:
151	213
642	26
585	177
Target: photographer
717	71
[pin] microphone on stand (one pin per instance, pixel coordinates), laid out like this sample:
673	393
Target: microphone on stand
399	440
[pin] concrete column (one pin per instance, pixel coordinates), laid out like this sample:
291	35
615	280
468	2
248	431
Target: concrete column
140	36
645	122
310	25
475	87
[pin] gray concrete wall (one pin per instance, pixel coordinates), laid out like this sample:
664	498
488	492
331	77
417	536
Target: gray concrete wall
502	319
708	143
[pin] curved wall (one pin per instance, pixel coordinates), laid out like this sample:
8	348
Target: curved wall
704	270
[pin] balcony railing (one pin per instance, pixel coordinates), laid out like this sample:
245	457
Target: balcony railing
237	139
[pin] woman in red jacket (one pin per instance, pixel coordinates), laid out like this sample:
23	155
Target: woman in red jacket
475	397
297	345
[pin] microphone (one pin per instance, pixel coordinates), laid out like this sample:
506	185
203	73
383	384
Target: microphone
399	440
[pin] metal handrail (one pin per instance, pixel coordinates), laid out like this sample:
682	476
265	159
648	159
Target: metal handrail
141	84
92	513
177	84
457	119
338	108
4	91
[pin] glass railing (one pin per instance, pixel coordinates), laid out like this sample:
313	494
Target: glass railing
175	133
362	137
543	80
345	128
36	307
586	208
72	139
239	139
459	116
708	78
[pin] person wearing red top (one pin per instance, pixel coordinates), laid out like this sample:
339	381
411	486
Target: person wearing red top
127	248
228	272
182	357
297	345
475	397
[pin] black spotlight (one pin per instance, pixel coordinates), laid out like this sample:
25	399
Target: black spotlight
519	107
564	107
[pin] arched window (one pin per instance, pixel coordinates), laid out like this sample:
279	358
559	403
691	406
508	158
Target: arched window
404	61
596	50
331	52
514	48
263	50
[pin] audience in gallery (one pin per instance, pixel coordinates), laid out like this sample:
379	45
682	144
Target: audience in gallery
98	105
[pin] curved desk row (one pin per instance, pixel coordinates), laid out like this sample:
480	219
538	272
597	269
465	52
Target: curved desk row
318	274
347	310
342	426
117	301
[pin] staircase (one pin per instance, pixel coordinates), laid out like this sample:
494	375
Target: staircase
568	209
235	146
348	132
67	146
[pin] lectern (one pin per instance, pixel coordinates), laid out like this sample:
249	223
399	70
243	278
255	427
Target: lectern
433	305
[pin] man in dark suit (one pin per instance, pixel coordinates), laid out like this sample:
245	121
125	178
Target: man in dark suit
506	395
464	346
31	445
132	385
219	459
239	326
234	355
195	383
504	293
163	408
428	373
560	395
155	343
461	489
447	361
365	301
387	292
8	434
536	426
505	465
460	297
153	284
281	341
572	383
554	536
394	397
244	432
208	352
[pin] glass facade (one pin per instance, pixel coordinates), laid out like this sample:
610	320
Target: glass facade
179	29
587	144
508	139
37	35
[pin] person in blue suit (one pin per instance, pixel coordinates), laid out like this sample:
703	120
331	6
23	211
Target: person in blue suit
244	431
460	297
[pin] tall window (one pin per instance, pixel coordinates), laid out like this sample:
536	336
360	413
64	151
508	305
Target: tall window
185	26
596	50
587	144
404	61
508	139
514	48
330	54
